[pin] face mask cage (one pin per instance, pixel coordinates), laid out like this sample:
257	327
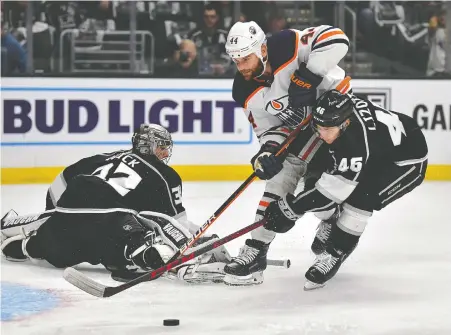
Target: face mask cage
154	142
164	145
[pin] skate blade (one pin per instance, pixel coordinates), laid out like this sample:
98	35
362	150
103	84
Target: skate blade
249	280
309	286
15	260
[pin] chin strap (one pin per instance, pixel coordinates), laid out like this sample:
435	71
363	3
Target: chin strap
264	60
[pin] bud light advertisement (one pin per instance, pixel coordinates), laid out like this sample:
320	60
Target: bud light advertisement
64	114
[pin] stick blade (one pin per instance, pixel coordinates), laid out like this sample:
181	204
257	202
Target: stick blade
83	282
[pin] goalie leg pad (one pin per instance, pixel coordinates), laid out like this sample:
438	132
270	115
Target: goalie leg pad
202	273
255	278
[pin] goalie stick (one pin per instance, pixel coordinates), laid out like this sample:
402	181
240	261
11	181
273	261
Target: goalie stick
97	289
94	288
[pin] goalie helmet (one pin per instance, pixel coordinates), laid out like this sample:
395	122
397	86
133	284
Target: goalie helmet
245	38
332	109
153	139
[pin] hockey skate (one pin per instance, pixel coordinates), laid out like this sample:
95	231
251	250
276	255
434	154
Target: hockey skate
247	268
325	267
323	233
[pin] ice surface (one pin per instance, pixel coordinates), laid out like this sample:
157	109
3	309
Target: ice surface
396	282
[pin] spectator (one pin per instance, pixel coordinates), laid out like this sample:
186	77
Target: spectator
437	39
226	13
14	57
276	23
210	42
184	62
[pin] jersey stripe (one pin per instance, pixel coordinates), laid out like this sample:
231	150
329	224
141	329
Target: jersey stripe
397	180
322	32
334	41
335	32
405	186
57	188
271	196
335	187
294	58
411	161
94	210
327	207
365	135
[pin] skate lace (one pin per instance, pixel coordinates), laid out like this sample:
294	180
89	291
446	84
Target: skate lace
325	263
324	229
246	255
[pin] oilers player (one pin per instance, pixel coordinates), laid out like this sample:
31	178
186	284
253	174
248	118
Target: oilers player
376	157
277	82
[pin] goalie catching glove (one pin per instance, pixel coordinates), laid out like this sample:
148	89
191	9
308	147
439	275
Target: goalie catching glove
161	242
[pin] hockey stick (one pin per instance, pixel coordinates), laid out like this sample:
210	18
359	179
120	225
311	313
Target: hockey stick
90	286
285	263
96	289
342	87
283	147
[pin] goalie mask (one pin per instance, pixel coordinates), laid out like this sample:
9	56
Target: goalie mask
153	139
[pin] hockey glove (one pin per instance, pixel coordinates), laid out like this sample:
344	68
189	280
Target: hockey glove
280	218
302	89
266	165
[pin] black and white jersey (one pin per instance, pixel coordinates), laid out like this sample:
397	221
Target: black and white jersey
217	40
145	184
374	139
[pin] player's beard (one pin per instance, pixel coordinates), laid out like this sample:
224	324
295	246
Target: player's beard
251	74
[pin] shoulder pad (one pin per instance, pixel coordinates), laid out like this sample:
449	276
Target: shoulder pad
242	89
282	47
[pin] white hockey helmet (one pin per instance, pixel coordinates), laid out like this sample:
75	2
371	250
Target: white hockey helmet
244	39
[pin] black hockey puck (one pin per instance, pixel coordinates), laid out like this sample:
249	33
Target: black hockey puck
171	322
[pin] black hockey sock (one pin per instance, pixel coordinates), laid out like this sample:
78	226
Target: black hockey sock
343	240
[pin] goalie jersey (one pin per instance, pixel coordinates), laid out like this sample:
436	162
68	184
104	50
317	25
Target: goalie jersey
144	184
320	48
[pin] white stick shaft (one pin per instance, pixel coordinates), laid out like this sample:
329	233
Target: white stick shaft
286	263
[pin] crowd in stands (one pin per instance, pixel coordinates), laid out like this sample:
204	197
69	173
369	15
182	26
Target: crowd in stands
187	38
